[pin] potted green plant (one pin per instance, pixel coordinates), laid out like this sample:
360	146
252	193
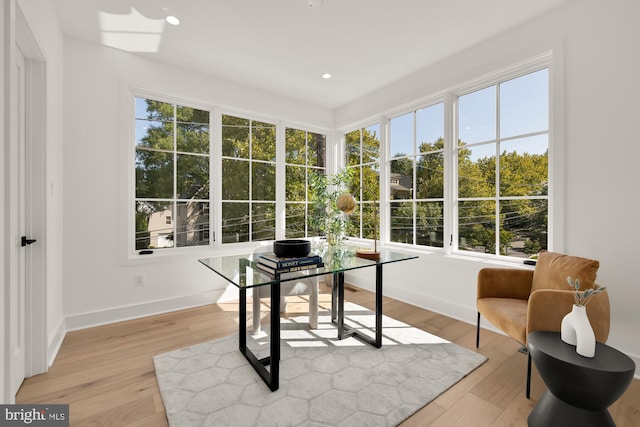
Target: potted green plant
331	203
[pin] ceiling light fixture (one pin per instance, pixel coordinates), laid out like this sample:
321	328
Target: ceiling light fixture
172	20
326	76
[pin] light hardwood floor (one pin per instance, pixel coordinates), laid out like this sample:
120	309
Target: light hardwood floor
106	374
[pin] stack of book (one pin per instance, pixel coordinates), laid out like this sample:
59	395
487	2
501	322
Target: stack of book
273	264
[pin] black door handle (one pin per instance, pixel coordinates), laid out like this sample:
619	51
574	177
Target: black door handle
26	241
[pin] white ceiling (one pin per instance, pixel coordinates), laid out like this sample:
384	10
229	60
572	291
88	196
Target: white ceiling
284	46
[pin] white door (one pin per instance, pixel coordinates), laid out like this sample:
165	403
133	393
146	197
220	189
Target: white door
17	283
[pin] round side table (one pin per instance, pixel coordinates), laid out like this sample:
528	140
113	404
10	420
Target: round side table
580	389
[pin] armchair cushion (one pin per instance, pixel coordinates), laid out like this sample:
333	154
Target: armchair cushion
507	314
552	270
504	283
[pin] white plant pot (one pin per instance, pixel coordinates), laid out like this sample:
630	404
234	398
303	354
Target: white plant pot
576	329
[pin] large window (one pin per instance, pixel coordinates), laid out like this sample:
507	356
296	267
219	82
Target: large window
502	167
362	154
416	184
248	180
304	154
466	171
171	175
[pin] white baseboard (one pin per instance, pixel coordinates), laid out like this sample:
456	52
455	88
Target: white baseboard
55	343
97	318
446	308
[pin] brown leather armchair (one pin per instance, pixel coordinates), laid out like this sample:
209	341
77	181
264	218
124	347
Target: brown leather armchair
519	301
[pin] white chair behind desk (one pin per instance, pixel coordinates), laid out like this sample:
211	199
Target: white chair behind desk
308	286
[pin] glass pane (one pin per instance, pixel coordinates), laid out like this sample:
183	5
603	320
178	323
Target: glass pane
192	224
263	221
317	149
524	168
476	226
296	184
263	141
235	179
235	222
295	146
154	110
430	176
154	174
193	130
353	223
352	148
430	128
141	108
371	144
430	224
154	134
193	177
294	220
524	104
402	222
523	227
263	181
154	225
370	183
191	115
477	116
356	189
235	137
401	129
370	220
477	171
401	180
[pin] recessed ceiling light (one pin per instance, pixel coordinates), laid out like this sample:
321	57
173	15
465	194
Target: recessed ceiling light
172	20
326	76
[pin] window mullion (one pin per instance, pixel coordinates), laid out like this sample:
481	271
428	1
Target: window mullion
175	175
450	174
497	172
415	179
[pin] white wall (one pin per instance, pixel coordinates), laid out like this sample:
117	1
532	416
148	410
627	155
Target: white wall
596	43
99	282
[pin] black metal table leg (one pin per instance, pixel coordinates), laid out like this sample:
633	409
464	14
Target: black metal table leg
270	377
337	313
334	296
378	342
340	319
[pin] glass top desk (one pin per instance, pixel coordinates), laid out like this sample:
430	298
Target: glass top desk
240	271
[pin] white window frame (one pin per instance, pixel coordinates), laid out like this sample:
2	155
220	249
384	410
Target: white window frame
449	97
252	118
130	93
440	99
504	75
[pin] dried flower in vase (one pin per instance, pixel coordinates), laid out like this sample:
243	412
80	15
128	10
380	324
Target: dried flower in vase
583	297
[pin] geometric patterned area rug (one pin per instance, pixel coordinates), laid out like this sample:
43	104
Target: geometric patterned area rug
323	381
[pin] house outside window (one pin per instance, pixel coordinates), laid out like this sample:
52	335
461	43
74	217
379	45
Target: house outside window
362	155
171	173
248	180
502	181
417	173
305	154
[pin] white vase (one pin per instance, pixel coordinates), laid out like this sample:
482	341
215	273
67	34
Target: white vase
576	329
